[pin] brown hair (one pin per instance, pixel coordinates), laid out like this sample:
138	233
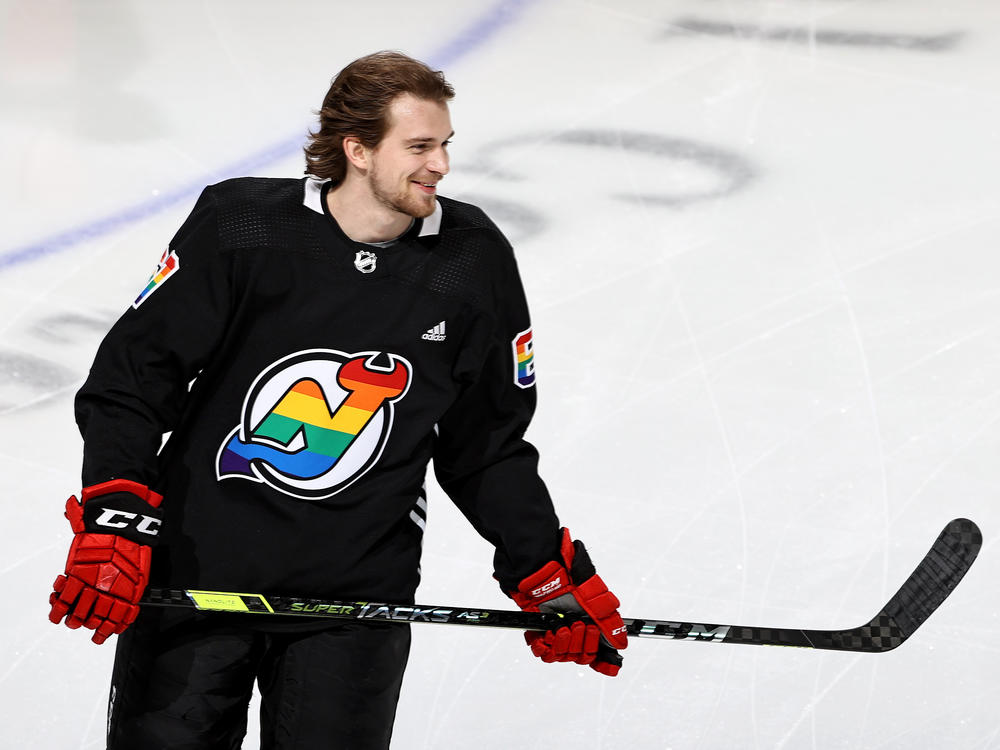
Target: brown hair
358	102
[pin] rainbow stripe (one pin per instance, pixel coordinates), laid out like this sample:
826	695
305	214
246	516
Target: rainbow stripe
169	263
524	359
327	434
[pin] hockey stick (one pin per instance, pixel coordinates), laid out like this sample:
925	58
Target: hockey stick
934	579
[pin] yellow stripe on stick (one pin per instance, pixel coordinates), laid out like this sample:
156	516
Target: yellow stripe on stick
226	601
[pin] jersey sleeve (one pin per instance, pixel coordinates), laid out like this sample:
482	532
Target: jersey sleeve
482	459
138	384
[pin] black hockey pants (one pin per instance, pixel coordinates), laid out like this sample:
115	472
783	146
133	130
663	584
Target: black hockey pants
184	683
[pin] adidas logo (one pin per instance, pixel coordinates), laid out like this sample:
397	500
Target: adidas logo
436	333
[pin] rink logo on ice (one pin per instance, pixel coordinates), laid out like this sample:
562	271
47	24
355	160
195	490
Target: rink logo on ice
524	359
315	421
167	267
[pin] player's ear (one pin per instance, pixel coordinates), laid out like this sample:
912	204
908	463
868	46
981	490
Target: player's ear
355	151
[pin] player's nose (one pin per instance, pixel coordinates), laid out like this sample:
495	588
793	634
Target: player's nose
439	163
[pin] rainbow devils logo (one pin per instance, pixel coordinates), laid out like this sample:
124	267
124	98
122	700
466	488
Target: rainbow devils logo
315	421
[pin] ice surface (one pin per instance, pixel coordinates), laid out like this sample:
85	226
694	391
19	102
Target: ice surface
759	240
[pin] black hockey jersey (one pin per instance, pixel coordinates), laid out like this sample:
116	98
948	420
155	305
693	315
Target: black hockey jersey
306	381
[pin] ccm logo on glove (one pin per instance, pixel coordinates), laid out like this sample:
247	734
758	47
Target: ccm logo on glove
542	591
120	507
148	524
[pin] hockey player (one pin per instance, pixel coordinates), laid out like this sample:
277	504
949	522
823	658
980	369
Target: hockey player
310	345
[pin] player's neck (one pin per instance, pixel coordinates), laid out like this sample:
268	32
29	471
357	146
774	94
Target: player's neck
361	216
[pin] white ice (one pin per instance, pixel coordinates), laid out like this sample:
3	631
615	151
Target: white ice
759	240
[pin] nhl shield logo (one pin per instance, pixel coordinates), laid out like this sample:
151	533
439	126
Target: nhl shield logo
365	261
315	421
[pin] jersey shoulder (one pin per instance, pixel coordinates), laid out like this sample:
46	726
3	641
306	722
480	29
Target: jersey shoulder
468	257
457	216
263	212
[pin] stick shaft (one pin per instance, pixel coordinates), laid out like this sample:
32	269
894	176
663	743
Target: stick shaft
928	586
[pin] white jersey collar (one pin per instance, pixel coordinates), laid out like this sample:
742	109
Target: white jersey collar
313	199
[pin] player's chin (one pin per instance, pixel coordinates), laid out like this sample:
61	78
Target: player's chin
422	206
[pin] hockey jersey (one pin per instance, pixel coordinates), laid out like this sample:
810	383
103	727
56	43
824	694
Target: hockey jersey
306	380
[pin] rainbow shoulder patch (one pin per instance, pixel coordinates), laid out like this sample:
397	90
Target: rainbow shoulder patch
524	359
167	267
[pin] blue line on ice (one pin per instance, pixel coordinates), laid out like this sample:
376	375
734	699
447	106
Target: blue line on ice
480	31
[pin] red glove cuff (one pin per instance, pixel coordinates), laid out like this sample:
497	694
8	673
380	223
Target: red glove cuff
121	485
120	507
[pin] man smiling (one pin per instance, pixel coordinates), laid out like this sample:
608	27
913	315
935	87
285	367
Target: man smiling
311	345
394	182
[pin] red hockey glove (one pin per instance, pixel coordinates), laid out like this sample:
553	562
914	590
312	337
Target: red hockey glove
571	585
107	569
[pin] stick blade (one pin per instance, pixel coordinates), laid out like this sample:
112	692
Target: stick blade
933	580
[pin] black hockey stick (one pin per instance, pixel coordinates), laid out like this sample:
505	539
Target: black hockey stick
934	579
